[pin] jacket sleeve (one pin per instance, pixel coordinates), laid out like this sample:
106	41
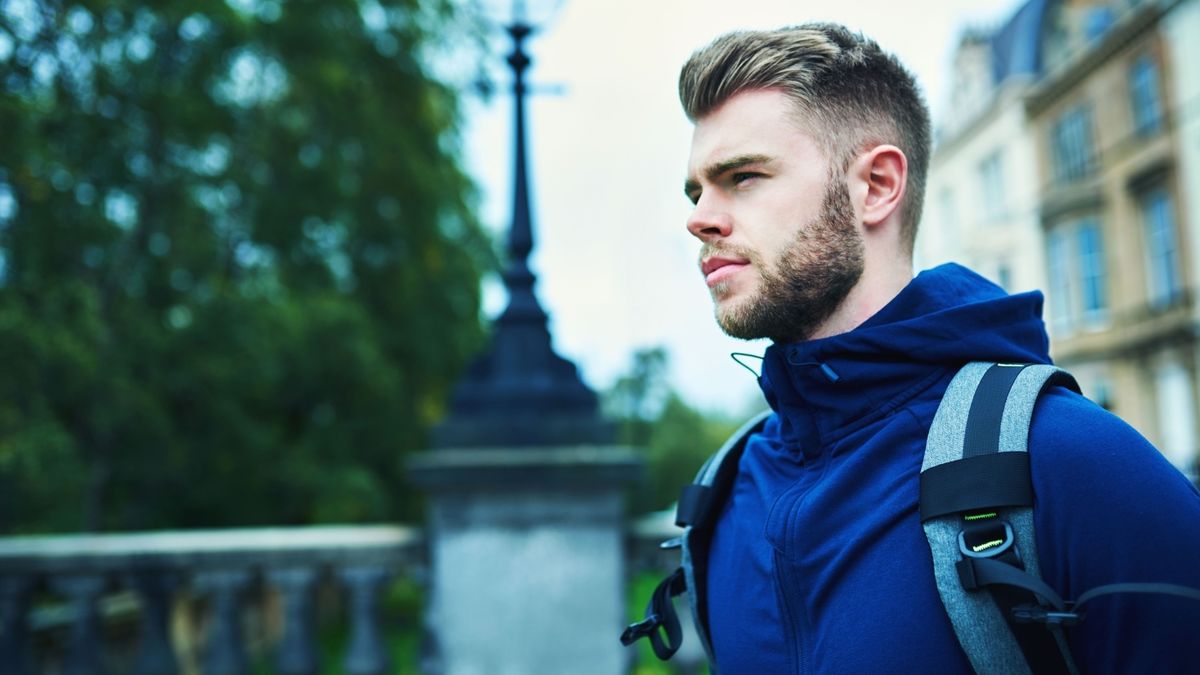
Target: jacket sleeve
1109	508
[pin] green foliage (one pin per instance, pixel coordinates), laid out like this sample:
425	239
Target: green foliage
682	438
239	263
676	437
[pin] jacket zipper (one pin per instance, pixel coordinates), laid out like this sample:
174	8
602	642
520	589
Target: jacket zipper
790	609
786	576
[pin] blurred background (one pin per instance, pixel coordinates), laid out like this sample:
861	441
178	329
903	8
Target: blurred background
247	248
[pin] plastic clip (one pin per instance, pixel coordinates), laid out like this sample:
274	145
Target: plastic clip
1049	617
990	540
641	629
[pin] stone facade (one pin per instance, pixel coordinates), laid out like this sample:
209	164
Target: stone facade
1099	138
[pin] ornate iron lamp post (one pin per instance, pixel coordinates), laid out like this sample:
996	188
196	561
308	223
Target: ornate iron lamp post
520	392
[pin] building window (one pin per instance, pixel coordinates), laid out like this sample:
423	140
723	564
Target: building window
1057	43
1176	414
1164	285
1092	277
1059	256
1143	94
1071	143
1078	276
991	186
1097	21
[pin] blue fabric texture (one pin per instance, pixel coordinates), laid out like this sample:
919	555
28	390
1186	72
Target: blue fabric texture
818	562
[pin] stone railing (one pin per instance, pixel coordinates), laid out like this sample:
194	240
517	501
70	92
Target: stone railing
85	580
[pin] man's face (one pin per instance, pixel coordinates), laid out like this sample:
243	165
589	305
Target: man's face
781	243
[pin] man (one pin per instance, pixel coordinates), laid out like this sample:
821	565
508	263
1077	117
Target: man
807	169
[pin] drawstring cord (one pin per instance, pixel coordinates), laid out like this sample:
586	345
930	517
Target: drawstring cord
735	355
826	369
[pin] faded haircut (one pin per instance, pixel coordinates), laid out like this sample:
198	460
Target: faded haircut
849	94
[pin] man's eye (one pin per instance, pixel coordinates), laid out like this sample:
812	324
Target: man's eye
743	176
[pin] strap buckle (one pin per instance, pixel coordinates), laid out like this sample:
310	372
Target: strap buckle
985	536
1048	616
641	629
661	625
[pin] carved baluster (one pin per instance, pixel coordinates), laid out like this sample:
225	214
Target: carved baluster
366	655
155	587
85	650
15	593
297	654
225	649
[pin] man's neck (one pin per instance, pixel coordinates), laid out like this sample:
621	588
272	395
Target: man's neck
877	287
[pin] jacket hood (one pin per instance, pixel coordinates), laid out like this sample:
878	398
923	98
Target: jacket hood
944	318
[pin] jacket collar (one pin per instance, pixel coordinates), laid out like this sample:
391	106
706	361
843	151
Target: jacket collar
827	388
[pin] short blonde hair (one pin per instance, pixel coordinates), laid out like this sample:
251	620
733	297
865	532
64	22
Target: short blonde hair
848	92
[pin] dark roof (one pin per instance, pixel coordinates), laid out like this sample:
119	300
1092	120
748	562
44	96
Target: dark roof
1017	45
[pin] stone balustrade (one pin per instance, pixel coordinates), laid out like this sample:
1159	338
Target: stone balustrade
220	567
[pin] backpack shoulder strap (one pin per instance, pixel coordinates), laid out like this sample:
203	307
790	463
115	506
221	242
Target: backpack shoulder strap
976	505
710	490
700	499
698	503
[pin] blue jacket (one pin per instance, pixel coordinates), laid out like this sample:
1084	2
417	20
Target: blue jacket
818	562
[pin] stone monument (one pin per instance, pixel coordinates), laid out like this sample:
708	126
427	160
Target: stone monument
526	528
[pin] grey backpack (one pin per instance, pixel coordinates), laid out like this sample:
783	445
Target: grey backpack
976	509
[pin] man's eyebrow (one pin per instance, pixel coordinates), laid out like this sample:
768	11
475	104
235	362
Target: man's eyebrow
714	170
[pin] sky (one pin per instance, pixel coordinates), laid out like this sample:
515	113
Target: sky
616	269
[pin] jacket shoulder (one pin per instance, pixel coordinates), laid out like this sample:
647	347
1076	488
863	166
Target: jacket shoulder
1079	449
1109	508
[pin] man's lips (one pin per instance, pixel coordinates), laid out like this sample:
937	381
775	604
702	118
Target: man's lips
717	269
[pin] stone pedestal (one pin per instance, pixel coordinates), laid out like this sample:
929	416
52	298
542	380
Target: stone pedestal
527	556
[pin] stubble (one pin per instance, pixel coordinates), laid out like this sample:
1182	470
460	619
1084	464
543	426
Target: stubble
811	280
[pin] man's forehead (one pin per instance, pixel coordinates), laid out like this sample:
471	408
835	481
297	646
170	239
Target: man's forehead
759	122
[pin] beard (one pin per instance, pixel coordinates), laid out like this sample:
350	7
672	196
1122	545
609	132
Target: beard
811	280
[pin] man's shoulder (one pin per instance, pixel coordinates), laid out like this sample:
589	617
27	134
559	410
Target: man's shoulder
1109	508
1099	484
1079	446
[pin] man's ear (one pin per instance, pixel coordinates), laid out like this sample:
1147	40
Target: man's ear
883	171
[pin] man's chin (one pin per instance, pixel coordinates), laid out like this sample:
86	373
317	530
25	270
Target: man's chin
736	319
732	292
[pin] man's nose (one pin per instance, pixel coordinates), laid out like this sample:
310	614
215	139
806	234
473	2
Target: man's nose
707	222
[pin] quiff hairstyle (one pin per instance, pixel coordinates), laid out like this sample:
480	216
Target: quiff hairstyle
849	94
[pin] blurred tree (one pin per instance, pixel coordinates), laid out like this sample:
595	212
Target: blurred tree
636	398
675	436
239	261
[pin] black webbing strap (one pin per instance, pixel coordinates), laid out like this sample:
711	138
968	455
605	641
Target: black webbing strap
1160	588
1036	640
660	614
694	503
976	483
699	503
987	410
722	473
976	573
1051	609
981	452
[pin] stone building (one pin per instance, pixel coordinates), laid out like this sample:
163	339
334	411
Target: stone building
981	199
1082	178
